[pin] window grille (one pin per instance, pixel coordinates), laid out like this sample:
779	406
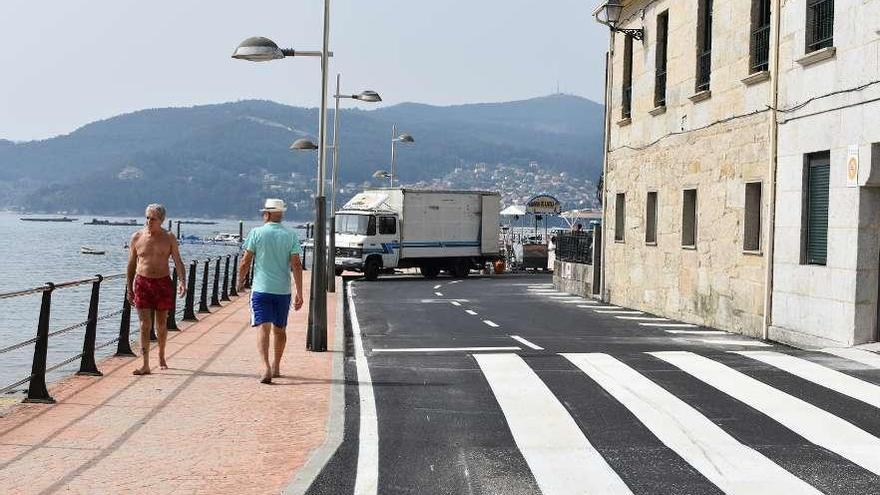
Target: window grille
820	24
704	49
760	49
662	44
626	110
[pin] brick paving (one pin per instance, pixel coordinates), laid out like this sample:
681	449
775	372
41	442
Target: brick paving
205	425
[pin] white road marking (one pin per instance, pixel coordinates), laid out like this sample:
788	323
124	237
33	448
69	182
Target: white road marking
573	301
820	375
560	457
867	358
455	282
617	312
455	303
437	286
642	318
696	332
367	476
567	297
438	294
668	325
447	349
587	304
749	343
470	312
816	425
735	468
526	342
490	323
545	291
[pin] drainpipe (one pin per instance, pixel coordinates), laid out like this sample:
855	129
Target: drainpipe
773	162
606	145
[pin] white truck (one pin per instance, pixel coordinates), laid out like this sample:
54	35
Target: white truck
383	229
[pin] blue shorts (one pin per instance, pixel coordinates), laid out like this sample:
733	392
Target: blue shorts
269	308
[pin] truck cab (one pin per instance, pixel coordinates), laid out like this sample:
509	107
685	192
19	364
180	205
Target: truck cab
367	241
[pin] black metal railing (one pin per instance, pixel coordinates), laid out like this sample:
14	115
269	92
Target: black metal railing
704	72
37	390
575	247
760	49
820	24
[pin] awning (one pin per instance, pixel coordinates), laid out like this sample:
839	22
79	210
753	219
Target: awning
512	210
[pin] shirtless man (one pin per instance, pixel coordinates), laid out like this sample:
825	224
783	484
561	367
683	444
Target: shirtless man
148	283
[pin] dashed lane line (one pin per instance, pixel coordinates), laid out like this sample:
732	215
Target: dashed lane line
438	294
490	323
526	343
447	349
455	303
470	312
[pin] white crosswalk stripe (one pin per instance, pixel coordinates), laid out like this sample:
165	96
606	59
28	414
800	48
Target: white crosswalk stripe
814	424
732	466
820	375
560	457
867	358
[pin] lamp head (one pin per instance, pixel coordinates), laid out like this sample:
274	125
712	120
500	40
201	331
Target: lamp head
381	174
258	49
303	144
405	138
368	96
609	12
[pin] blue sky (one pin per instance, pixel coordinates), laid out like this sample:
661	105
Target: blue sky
69	62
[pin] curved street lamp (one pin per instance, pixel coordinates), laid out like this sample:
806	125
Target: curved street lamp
368	96
261	49
609	13
395	138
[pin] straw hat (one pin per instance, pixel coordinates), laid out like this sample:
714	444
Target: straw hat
273	204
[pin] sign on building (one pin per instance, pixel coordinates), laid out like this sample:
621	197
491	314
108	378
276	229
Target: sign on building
543	204
852	166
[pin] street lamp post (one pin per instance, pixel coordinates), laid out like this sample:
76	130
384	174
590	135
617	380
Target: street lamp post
260	49
609	13
403	138
368	96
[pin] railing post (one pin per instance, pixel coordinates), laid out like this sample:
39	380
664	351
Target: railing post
189	313
87	364
233	291
37	391
250	277
123	347
215	290
172	317
224	293
203	299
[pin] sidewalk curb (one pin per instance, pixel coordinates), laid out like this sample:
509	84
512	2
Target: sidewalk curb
335	426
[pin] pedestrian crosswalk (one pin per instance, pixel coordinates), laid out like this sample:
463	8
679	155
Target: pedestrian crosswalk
565	460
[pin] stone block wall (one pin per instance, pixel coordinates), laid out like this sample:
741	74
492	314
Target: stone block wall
574	278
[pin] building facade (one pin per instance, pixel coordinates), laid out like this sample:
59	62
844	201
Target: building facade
687	165
717	206
827	237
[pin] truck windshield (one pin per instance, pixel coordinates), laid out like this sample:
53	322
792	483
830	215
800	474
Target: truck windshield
354	224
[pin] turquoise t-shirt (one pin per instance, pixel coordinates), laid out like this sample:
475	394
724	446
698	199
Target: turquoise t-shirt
272	246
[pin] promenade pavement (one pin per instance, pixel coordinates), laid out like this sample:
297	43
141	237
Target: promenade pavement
205	425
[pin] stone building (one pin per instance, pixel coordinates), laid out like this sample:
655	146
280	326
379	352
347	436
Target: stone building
687	165
706	186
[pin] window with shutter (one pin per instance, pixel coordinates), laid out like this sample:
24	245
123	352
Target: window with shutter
619	216
818	175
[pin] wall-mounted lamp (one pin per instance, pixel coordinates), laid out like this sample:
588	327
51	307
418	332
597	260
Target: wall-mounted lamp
609	12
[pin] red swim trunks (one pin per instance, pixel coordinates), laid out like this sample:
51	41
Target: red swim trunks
153	293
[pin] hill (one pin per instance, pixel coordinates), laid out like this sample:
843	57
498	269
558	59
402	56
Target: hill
221	159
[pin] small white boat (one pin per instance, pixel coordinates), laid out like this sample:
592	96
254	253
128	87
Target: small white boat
88	250
226	237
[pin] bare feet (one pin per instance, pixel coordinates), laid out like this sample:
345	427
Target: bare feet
267	377
162	364
276	372
141	371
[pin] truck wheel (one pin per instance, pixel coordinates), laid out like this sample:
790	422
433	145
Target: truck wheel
429	271
461	268
371	269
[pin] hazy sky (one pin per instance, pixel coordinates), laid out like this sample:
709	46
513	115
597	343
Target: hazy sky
65	63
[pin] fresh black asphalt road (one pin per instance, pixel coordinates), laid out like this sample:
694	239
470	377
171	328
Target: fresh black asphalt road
502	385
